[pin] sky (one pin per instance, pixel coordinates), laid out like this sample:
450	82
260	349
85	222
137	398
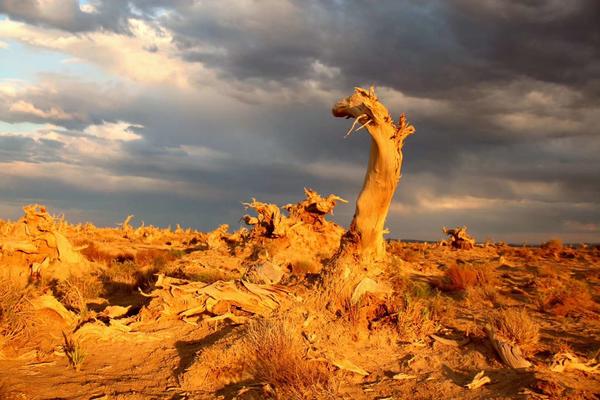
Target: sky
177	111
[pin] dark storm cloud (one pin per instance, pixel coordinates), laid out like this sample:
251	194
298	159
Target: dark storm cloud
552	41
67	14
505	96
426	48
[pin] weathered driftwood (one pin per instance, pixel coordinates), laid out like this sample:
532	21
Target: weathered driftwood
451	342
509	353
363	244
567	361
313	209
478	381
383	171
37	232
459	238
270	222
49	302
192	301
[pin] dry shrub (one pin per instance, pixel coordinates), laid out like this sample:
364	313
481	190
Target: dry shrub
481	294
156	258
6	393
416	318
552	248
15	311
75	292
524	253
276	353
417	310
410	252
461	277
222	363
554	245
550	275
95	254
517	327
565	298
415	321
121	274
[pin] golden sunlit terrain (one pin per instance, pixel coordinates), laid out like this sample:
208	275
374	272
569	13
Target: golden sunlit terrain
294	306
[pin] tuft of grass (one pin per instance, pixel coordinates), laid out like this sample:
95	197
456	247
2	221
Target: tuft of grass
93	253
553	245
6	393
410	252
74	352
15	311
481	294
565	298
553	248
417	309
76	291
155	258
276	351
461	277
121	274
416	318
517	327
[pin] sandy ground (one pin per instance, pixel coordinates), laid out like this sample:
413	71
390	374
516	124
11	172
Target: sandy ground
145	353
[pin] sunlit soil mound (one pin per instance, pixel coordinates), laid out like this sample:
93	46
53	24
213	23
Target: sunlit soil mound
145	312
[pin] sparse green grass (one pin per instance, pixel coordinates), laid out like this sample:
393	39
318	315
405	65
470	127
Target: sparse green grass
417	310
74	352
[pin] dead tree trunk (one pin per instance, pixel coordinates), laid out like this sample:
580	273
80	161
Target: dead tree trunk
363	244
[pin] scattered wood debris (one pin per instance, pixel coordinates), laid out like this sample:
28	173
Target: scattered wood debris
192	301
510	353
478	381
451	342
562	362
459	238
402	376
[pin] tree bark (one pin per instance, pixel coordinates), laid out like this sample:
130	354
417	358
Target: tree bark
363	244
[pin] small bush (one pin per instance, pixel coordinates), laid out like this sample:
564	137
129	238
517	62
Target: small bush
554	245
93	253
416	320
76	291
552	248
461	277
211	276
565	298
6	393
516	326
418	314
121	274
15	311
154	258
410	252
481	294
276	352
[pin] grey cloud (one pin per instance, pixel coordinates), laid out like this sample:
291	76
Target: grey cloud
514	89
67	15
